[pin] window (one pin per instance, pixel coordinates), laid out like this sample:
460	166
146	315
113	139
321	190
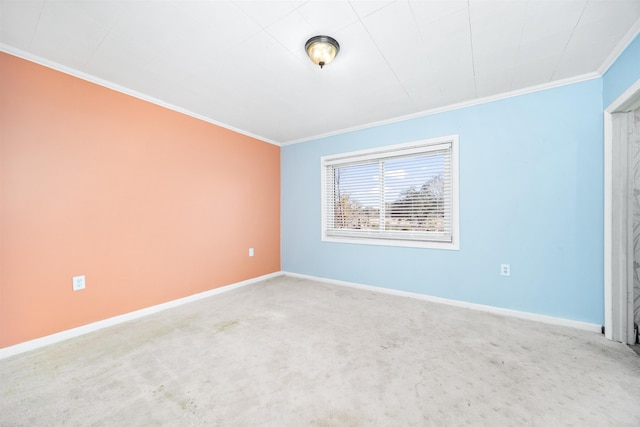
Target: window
401	195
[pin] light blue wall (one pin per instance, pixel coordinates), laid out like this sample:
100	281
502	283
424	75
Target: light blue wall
624	72
531	195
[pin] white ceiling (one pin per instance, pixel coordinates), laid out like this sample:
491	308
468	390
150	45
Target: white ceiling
242	64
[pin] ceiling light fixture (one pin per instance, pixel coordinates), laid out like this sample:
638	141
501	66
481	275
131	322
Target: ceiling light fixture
322	49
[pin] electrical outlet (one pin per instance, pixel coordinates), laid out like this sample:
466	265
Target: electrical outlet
78	283
505	269
250	251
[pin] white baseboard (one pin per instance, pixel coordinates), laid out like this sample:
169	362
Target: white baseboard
85	329
592	327
101	324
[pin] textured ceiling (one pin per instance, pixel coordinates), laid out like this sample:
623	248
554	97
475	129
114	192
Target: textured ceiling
242	64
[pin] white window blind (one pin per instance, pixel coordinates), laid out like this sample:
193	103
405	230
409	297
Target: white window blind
394	195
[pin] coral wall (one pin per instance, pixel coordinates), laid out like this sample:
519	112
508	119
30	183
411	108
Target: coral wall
149	204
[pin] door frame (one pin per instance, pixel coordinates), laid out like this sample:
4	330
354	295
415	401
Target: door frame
618	273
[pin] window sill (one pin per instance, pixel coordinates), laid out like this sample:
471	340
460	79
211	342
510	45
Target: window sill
393	242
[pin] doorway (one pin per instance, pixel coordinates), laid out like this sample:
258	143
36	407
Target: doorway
622	216
635	201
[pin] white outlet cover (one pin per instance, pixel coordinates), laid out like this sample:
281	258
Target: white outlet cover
505	269
250	251
78	283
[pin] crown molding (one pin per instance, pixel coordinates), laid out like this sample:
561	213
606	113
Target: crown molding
118	88
457	106
620	47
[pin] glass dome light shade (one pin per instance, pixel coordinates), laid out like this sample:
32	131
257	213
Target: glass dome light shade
322	49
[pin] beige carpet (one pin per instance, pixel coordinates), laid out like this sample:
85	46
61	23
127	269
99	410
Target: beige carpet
292	352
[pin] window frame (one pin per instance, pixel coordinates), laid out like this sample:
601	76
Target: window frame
382	153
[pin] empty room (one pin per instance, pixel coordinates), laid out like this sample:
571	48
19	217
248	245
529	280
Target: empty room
319	213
